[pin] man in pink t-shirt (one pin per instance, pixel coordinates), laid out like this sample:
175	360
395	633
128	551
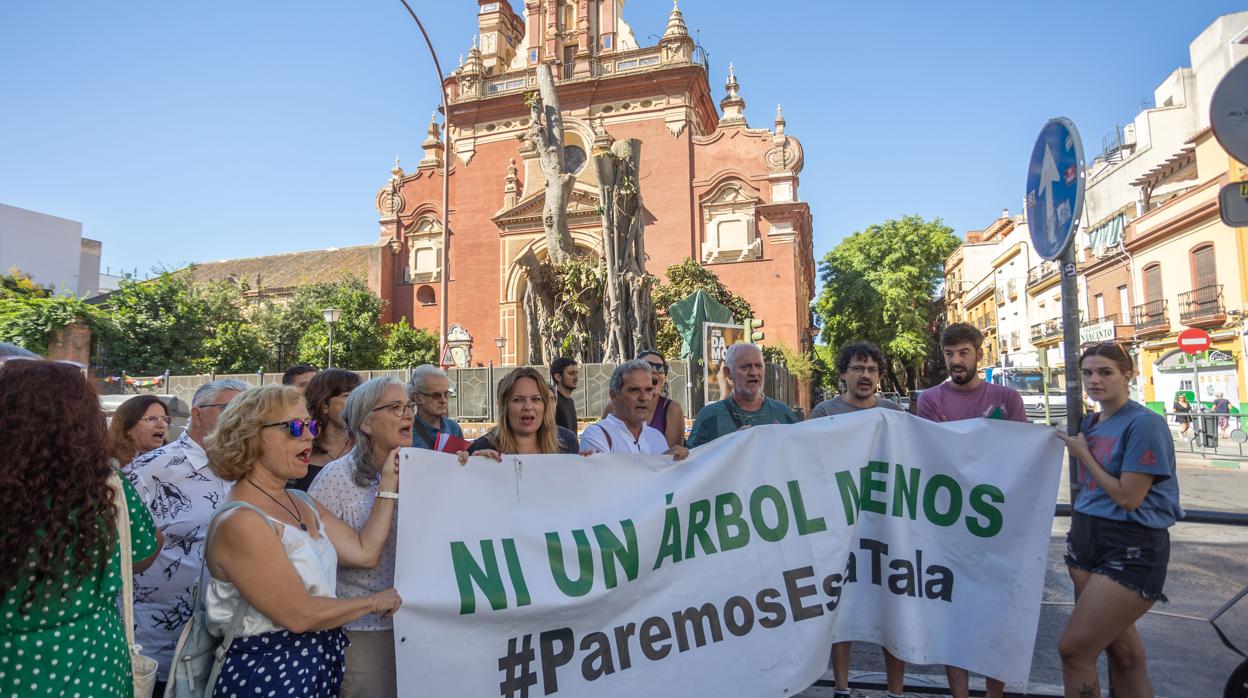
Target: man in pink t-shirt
967	396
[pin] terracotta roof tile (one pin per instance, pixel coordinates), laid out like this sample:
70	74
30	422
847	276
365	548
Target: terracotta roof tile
283	272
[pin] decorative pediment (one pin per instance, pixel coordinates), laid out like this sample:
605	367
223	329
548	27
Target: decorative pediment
527	213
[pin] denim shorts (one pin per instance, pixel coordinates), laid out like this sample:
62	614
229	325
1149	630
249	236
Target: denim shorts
1129	553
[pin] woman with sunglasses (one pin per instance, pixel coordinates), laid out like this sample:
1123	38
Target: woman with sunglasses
526	419
139	425
326	395
379	418
669	416
1118	547
273	553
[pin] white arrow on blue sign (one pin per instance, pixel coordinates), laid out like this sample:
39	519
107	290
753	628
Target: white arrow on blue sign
1055	181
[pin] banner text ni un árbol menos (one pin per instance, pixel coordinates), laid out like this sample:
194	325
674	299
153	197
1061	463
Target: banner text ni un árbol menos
733	572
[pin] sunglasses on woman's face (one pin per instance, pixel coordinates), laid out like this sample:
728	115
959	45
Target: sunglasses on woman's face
296	426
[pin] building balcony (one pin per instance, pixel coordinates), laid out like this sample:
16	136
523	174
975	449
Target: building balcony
999	296
1151	319
1012	289
986	324
1203	307
1040	274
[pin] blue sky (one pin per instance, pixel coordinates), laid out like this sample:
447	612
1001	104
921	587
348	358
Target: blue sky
180	132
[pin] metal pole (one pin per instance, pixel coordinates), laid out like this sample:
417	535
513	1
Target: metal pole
1196	423
1070	344
330	362
446	184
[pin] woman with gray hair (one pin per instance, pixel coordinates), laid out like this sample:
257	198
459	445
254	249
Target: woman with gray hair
379	419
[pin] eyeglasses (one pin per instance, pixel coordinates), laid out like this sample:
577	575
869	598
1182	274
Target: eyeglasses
398	409
658	368
438	396
296	427
157	418
215	404
863	369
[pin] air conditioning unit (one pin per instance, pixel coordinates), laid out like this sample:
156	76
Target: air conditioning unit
1128	135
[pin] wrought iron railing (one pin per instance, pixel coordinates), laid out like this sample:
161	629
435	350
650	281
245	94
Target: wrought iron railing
1202	303
1150	316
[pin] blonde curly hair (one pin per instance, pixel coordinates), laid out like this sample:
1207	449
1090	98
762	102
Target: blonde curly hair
235	446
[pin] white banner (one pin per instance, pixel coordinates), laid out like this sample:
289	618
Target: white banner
731	573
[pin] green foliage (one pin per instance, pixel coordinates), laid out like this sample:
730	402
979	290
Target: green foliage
235	347
682	280
878	286
152	326
359	338
29	320
824	360
408	346
17	283
801	366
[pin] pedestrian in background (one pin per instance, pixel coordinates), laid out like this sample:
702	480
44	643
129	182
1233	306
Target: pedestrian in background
379	416
1118	547
565	374
181	493
60	630
139	425
326	398
299	375
276	551
430	390
1182	411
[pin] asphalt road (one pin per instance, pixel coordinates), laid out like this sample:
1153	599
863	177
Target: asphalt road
1208	566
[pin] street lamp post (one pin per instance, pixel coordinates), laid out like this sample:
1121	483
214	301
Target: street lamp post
500	342
446	183
331	316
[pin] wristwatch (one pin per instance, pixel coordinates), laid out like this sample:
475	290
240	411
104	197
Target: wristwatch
386	494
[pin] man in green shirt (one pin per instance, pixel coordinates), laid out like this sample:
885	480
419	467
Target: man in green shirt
747	406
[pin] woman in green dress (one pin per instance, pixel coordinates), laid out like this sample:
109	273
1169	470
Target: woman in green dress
60	631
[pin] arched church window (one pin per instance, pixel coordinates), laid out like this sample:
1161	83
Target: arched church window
574	158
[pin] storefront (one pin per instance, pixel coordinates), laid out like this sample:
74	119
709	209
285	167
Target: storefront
1169	371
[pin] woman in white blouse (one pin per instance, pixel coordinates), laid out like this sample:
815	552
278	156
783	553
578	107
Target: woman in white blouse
274	556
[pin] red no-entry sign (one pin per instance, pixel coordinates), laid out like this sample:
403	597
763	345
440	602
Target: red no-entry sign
1194	341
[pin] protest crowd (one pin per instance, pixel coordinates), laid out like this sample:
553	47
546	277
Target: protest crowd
259	544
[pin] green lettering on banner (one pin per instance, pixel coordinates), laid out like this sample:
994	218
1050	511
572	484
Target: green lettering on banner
849	495
871	484
805	525
488	579
699	519
934	486
767	533
585	556
906	496
994	520
612	550
670	545
728	510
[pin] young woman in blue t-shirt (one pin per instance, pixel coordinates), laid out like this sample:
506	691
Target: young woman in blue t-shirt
1118	546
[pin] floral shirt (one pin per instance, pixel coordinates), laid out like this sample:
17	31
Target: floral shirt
181	493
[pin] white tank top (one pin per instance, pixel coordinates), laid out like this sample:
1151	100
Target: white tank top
315	561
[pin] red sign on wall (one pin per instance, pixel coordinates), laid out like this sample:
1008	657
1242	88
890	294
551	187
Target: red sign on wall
1194	341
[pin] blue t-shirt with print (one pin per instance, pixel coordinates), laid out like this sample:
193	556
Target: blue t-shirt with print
1133	440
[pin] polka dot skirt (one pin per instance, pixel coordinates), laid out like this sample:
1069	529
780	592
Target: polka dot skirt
283	663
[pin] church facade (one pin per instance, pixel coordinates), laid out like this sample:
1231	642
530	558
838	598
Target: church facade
714	189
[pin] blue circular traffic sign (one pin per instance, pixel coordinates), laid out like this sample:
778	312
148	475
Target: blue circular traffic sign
1055	181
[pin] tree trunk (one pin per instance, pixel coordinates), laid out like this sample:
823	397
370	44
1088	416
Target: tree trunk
545	135
628	305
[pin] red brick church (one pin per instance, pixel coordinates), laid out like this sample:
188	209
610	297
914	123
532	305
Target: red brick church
714	189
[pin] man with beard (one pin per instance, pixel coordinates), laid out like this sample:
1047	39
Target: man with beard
966	396
565	374
747	405
859	366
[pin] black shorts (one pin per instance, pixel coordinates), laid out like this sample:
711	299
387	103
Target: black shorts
1129	553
